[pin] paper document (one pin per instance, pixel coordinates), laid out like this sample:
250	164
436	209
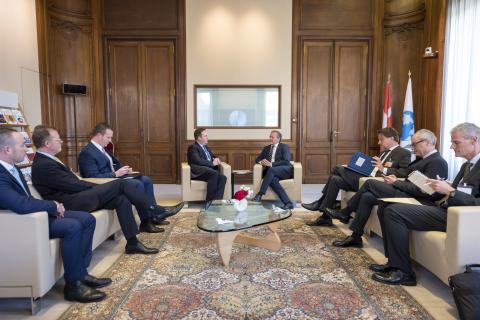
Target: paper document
402	200
420	180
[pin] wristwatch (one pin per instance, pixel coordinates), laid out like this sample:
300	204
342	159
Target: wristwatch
452	194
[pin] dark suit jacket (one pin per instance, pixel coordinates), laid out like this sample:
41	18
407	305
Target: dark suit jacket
431	167
55	181
198	161
94	164
13	197
400	158
472	180
282	155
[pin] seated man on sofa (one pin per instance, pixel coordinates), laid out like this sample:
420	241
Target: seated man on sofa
390	161
95	161
275	159
74	228
397	220
429	162
56	181
205	166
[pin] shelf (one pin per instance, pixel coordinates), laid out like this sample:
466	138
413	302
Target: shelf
11	125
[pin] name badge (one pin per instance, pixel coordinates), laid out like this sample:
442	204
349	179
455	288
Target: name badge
465	189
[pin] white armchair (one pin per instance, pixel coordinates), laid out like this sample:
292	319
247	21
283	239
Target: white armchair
194	190
293	186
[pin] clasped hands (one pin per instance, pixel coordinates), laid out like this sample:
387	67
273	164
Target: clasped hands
265	163
216	161
60	210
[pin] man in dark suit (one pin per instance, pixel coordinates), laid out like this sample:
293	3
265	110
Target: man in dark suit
397	220
205	166
95	161
391	159
275	159
74	228
55	181
429	162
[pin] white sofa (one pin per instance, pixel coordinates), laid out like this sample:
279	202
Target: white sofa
293	186
31	262
194	190
443	253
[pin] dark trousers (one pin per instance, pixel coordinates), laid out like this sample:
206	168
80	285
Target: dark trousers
340	178
215	183
75	231
272	177
366	198
145	185
398	219
118	195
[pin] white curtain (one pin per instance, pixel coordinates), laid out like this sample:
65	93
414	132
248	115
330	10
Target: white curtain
461	83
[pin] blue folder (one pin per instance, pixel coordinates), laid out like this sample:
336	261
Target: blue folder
361	163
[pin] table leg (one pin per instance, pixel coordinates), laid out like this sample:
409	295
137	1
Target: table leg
271	241
232	178
225	243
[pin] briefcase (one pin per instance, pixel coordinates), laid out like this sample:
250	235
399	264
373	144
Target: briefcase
466	292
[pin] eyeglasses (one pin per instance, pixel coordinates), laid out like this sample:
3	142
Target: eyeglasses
414	144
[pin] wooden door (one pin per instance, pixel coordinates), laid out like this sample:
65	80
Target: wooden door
334	104
142	106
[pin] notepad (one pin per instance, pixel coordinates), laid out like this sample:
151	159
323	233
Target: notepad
420	180
361	163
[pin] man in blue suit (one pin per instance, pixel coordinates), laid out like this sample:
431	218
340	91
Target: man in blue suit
75	228
275	159
95	161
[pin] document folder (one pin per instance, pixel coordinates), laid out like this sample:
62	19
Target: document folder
361	163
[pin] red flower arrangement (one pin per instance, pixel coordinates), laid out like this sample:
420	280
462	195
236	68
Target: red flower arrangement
240	195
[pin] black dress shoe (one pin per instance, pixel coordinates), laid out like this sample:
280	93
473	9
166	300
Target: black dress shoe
258	197
148	227
287	206
395	277
77	291
139	248
311	206
94	282
381	268
323	220
348	242
338	214
160	222
165	212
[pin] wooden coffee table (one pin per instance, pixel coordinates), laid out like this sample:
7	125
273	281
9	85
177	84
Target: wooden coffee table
229	225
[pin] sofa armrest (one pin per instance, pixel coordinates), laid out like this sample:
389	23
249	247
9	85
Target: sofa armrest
257	177
99	180
226	170
461	245
297	173
26	254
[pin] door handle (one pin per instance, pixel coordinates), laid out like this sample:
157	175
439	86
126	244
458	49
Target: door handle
333	134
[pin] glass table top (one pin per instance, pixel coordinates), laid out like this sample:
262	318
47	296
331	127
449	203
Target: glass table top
221	216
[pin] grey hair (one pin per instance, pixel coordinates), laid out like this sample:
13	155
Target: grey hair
6	137
425	134
466	130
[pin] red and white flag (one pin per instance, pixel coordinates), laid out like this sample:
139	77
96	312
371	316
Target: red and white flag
387	106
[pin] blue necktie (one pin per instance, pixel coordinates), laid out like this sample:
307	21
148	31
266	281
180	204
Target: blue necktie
16	175
206	153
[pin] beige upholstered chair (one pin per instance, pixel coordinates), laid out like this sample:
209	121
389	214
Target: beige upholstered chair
292	186
194	190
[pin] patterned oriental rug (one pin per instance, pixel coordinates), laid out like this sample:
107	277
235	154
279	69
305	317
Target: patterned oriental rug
306	279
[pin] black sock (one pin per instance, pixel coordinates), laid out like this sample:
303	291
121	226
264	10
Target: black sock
132	241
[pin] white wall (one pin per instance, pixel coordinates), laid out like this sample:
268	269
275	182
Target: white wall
19	55
239	42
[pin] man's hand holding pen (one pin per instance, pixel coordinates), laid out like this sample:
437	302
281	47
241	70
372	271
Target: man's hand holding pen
440	185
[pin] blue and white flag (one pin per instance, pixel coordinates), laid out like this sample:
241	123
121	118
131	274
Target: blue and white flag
408	128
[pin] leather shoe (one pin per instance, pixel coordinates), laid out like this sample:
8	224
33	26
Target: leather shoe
160	222
139	248
395	277
77	291
348	242
148	227
323	220
287	206
338	214
314	206
94	282
165	212
380	268
258	197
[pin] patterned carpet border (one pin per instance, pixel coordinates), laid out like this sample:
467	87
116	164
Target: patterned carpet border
306	279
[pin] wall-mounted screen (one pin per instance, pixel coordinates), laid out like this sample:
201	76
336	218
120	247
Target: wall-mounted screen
237	106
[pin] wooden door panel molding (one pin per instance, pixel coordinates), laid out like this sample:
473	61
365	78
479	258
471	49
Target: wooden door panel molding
317	166
161	166
317	92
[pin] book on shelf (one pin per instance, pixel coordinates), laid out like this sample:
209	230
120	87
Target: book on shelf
17	114
26	137
30	154
7	113
2	118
